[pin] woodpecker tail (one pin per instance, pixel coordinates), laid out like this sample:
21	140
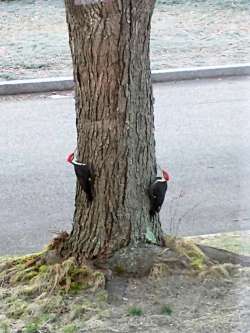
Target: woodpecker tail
151	213
89	196
153	210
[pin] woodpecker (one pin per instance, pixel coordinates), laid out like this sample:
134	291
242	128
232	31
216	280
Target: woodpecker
157	192
83	175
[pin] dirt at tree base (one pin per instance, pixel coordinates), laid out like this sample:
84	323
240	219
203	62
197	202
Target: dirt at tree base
171	304
197	306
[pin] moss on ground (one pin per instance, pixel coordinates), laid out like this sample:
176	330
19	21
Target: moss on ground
188	250
64	297
196	261
32	275
34	294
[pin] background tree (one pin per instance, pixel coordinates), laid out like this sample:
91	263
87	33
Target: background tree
115	125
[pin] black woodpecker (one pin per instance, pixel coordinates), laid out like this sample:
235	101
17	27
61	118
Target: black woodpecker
157	192
83	175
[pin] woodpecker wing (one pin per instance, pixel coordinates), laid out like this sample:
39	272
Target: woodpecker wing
157	193
83	175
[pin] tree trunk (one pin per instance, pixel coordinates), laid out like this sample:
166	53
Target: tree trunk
115	125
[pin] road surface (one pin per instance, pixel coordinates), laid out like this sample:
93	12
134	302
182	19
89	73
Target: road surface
203	139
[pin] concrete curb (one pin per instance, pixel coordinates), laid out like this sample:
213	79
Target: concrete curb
241	233
180	74
36	85
66	83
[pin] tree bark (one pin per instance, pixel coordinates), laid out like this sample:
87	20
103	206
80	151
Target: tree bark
115	125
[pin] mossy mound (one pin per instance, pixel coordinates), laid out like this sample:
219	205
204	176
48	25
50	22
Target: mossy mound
34	293
197	262
33	275
188	250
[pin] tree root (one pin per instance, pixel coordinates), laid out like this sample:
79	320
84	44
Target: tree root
223	256
46	272
179	255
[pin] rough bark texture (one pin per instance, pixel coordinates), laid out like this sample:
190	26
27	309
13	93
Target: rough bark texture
115	125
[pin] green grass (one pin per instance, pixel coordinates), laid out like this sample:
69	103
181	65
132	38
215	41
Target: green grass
71	328
166	310
4	327
135	311
31	328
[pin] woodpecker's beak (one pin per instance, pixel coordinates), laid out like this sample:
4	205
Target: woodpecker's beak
165	175
70	158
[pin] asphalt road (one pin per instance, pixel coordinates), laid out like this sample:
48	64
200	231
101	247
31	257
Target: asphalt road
203	139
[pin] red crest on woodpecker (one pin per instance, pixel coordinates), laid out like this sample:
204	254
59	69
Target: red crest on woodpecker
70	158
165	175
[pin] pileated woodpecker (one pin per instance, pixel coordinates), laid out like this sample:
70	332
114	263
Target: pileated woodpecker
83	175
157	192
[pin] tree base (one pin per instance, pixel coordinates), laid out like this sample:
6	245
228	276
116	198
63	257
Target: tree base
35	293
47	272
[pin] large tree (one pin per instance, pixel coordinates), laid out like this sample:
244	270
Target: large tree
115	124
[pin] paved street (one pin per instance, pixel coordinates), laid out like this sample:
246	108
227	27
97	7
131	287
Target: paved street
203	138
